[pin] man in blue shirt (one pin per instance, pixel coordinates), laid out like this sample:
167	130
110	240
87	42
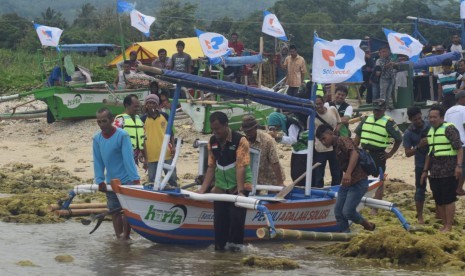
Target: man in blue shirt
112	153
416	144
55	78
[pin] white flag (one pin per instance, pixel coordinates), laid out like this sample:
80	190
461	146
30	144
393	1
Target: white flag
213	45
271	26
141	22
403	44
337	61
49	36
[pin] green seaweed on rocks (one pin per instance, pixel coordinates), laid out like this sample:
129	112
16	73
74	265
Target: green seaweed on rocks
64	258
270	263
390	244
31	190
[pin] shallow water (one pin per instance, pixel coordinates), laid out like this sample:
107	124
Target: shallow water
101	254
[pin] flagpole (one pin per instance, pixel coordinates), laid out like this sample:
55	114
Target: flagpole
260	68
123	48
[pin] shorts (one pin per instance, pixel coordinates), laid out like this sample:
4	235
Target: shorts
112	201
444	189
380	163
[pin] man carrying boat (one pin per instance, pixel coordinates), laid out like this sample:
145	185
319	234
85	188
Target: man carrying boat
286	129
375	133
270	171
155	123
112	153
444	163
228	168
354	181
134	126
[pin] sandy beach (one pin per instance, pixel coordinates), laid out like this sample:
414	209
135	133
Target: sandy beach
68	144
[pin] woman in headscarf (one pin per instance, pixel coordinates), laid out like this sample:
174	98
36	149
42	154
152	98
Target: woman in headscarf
286	129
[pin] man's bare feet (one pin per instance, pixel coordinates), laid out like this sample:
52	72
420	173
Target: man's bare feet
445	229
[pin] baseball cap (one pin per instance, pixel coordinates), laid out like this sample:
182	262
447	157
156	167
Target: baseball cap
379	104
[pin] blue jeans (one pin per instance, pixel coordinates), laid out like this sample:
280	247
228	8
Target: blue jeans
386	86
152	171
348	198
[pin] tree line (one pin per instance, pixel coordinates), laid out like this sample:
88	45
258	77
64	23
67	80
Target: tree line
333	19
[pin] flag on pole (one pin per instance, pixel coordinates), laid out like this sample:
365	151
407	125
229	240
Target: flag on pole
49	36
337	61
213	45
123	6
462	9
141	22
403	44
271	26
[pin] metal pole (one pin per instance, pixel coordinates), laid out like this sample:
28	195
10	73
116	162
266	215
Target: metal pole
166	139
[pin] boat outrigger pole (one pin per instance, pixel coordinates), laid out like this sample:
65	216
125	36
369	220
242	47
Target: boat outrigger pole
438	23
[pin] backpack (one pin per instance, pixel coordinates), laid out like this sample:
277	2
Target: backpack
367	163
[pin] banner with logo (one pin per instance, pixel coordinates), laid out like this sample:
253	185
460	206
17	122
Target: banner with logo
49	36
337	61
213	45
271	26
403	44
141	22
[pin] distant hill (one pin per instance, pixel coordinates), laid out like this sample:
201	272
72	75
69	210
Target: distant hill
207	9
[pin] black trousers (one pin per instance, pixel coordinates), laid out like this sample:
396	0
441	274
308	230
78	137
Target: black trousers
229	223
298	167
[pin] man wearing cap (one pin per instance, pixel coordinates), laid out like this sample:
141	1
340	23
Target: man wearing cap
132	61
155	123
444	164
456	116
133	125
375	134
270	171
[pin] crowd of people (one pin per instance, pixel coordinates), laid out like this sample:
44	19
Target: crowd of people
436	143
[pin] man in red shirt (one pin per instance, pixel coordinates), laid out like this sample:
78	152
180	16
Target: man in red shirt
238	48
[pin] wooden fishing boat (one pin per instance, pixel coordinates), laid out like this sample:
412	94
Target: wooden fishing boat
184	217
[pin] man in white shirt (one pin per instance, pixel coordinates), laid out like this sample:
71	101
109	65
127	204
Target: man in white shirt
456	115
456	46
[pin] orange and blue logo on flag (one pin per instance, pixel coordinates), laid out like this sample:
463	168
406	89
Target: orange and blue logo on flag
343	56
